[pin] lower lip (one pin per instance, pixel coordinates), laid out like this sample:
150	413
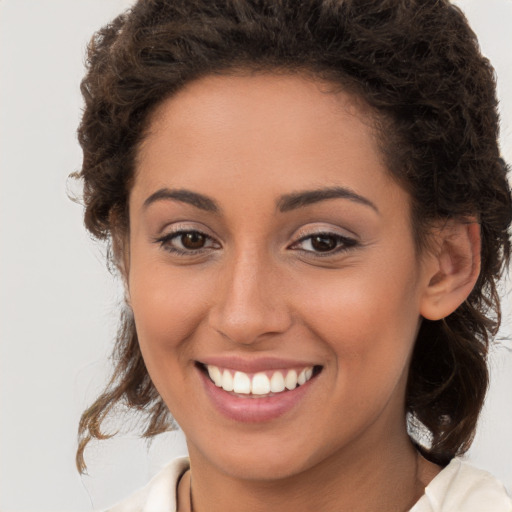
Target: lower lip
253	410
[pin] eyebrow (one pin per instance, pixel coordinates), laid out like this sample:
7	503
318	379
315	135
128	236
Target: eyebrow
300	199
185	196
285	203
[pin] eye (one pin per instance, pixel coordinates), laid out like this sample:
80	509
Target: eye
324	243
187	242
193	240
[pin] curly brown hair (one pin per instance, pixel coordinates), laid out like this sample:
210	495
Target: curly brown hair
416	63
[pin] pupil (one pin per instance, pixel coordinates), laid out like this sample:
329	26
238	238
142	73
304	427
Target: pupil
193	240
323	243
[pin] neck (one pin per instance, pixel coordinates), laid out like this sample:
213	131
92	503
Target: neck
391	478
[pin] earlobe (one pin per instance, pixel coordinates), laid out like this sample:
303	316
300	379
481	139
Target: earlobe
453	268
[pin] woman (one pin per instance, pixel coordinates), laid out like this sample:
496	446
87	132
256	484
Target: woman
308	208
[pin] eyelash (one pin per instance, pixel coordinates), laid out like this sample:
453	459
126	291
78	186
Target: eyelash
343	243
166	241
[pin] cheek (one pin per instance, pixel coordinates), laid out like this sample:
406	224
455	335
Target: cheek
369	326
168	307
167	314
365	313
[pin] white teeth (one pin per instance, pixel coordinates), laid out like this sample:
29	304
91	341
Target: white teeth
242	383
215	375
290	380
258	384
277	383
227	381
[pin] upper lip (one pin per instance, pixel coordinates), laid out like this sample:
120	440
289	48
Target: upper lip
254	365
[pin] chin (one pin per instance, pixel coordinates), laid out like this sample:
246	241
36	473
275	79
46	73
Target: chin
257	458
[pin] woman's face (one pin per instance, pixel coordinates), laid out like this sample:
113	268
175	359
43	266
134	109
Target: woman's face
267	238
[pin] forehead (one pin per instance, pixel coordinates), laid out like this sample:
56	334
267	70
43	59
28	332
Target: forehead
252	102
264	132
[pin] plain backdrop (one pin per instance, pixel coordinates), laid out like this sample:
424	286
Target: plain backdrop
58	304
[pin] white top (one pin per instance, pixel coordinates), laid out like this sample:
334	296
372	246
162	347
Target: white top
459	487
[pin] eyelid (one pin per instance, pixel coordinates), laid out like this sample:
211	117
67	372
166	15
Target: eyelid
176	227
174	231
345	242
323	229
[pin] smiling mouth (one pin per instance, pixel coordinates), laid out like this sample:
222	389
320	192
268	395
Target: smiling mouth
260	384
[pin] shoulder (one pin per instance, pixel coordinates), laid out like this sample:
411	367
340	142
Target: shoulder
460	487
159	495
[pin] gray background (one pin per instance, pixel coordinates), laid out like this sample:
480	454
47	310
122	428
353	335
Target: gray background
58	303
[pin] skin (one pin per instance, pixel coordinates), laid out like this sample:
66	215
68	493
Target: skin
259	288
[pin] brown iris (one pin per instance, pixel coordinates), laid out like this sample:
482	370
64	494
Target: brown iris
193	240
323	243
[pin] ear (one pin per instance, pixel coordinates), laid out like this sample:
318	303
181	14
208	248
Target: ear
453	267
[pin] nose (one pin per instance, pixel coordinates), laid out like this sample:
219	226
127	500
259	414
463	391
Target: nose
250	302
